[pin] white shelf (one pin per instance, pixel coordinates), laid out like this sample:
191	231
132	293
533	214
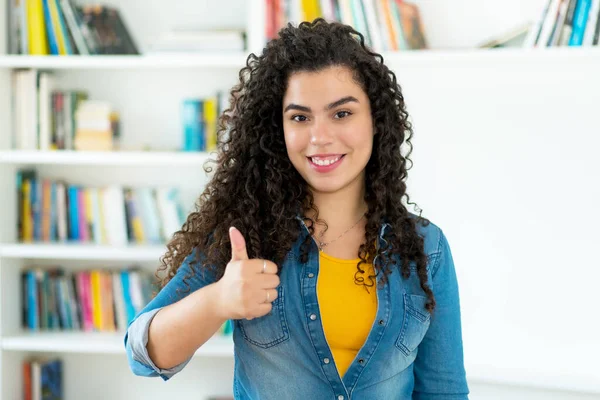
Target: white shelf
493	57
238	60
77	251
112	158
174	60
96	343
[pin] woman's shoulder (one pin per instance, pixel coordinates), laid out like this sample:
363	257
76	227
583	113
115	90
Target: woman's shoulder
431	233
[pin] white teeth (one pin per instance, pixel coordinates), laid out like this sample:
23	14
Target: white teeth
325	162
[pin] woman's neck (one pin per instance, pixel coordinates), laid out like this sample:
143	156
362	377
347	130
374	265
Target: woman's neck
340	209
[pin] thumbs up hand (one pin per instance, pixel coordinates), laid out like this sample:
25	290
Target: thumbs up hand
248	287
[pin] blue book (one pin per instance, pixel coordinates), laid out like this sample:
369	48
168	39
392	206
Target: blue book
579	22
52	43
193	125
73	211
129	309
53	213
51	377
32	302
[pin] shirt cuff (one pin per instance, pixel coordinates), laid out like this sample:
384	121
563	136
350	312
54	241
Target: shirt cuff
137	334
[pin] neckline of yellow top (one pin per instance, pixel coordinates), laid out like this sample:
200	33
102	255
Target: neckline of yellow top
338	260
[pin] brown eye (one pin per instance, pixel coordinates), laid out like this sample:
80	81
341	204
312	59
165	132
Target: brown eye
342	114
299	118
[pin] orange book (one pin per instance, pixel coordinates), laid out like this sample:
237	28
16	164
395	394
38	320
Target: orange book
412	25
27	395
390	24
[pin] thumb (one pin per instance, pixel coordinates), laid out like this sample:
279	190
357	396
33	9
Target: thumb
238	245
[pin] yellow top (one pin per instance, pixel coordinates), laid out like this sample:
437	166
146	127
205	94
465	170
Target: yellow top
347	309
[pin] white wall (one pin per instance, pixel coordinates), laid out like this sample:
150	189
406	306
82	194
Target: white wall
506	163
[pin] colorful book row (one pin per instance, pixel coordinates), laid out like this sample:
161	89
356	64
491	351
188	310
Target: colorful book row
56	211
566	23
387	25
95	300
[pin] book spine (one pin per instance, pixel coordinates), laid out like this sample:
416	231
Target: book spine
72	209
37	210
38	44
116	21
597	30
590	28
50	32
193	125
579	22
74	28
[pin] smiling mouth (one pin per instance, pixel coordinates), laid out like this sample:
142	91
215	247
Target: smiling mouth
324	161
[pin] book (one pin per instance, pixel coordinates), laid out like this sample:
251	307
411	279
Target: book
512	38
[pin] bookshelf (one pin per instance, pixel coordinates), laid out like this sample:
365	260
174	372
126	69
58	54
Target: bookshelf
83	252
96	343
229	61
147	90
98	158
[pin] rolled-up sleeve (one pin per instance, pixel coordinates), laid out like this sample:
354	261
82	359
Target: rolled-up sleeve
439	366
136	337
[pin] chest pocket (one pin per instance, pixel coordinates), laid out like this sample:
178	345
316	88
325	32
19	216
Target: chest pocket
415	323
268	330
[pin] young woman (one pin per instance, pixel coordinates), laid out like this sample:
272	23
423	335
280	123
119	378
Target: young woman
301	237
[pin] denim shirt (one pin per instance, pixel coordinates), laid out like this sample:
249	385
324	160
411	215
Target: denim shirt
408	354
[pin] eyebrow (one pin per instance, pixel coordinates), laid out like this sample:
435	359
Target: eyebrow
336	103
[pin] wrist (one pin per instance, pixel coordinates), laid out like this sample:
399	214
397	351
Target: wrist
217	302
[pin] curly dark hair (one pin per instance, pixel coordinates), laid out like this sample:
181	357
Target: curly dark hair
256	188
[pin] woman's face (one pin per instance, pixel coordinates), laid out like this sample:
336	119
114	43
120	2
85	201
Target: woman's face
328	128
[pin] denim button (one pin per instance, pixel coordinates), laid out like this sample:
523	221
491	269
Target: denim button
326	360
381	322
340	397
361	361
313	317
311	275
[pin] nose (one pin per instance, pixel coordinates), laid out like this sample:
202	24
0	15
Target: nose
320	134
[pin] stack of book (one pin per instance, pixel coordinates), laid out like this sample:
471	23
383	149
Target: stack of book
43	379
96	126
56	211
60	27
566	23
387	25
